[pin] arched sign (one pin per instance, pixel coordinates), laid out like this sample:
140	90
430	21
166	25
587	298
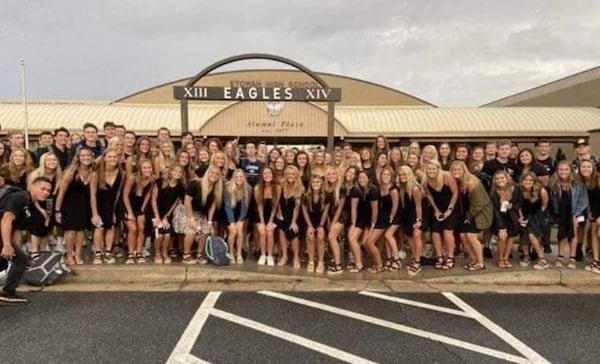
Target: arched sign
229	93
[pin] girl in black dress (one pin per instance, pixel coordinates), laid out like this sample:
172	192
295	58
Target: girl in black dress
303	168
41	222
533	224
338	220
203	197
184	160
318	166
315	205
381	161
266	194
411	215
167	193
445	156
72	208
289	221
136	198
442	194
591	179
506	199
389	200
105	190
364	207
141	151
570	202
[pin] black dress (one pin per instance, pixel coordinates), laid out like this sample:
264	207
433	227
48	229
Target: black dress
385	205
536	220
594	198
287	206
566	229
363	210
76	208
137	200
442	201
107	201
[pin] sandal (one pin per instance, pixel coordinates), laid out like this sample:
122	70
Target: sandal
79	261
560	262
130	259
97	258
34	255
172	253
541	264
139	258
507	264
335	269
449	263
396	264
188	259
355	269
414	268
375	270
202	259
501	264
109	258
473	267
524	261
439	263
388	263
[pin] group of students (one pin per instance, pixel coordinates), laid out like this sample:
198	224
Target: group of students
294	205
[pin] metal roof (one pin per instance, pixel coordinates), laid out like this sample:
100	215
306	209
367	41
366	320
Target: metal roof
358	121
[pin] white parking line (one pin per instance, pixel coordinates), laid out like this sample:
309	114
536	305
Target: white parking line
181	353
401	328
528	352
295	339
425	306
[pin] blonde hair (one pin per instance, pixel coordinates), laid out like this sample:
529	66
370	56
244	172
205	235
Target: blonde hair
102	168
217	188
168	175
335	188
139	178
411	182
41	171
236	193
298	188
507	192
467	175
437	183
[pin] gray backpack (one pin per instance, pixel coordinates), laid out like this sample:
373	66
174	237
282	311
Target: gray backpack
217	250
45	270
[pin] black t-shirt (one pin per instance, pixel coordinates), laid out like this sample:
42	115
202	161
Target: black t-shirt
194	190
16	202
251	169
201	170
168	195
548	164
536	168
492	166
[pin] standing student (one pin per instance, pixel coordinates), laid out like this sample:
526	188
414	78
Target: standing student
533	224
527	163
506	198
569	200
445	156
164	159
14	208
442	193
381	145
301	162
73	209
289	224
167	193
105	191
411	208
337	219
141	151
542	156
315	205
381	161
41	221
364	208
266	194
591	179
388	218
202	199
236	201
136	198
318	166
476	213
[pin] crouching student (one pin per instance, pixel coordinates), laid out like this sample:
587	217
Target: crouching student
14	212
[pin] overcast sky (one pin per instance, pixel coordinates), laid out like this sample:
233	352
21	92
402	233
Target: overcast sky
450	53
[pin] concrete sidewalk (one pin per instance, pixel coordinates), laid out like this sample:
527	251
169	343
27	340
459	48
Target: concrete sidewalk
251	277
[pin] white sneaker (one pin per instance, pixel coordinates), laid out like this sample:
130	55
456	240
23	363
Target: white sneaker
262	260
270	261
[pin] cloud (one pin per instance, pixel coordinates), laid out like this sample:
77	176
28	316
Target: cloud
449	53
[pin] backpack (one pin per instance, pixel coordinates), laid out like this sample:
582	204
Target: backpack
217	250
45	270
7	190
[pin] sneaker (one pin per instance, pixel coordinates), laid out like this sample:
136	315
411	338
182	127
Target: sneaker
541	264
310	267
270	261
262	260
7	297
596	267
487	252
320	267
335	269
572	264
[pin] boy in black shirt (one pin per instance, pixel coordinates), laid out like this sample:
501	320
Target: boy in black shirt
15	208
